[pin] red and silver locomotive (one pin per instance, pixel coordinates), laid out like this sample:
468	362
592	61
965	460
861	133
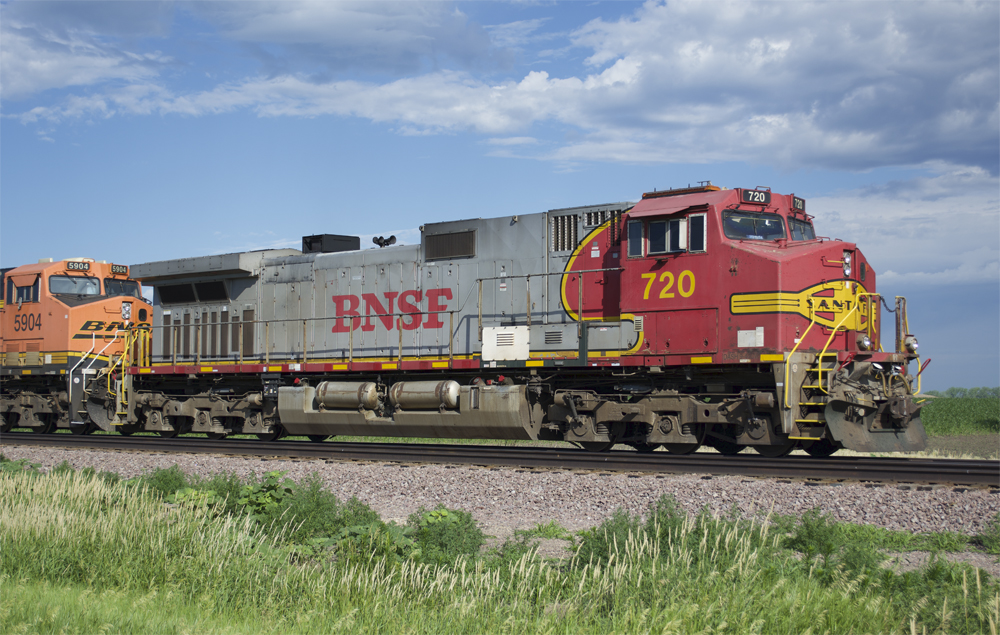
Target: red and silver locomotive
701	316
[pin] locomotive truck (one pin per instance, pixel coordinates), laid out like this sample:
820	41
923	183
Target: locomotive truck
696	316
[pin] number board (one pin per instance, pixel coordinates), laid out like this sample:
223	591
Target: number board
119	269
757	197
78	266
798	204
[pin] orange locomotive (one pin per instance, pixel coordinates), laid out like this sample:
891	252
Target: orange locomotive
67	328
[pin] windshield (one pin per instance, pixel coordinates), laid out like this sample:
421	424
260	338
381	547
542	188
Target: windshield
114	287
801	230
752	225
77	285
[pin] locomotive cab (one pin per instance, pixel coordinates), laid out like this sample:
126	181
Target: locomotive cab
65	326
738	277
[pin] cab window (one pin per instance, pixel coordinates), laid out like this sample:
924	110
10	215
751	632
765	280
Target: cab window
801	230
17	294
113	287
635	239
74	285
752	225
668	236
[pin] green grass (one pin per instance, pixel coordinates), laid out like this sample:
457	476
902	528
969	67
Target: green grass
960	416
89	553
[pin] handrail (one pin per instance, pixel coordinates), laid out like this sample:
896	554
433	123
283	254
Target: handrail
829	340
792	352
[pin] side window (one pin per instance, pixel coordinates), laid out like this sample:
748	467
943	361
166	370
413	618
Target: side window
635	239
696	233
658	237
27	293
678	234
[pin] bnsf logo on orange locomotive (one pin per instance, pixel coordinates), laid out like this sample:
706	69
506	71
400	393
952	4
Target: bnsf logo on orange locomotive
97	326
408	303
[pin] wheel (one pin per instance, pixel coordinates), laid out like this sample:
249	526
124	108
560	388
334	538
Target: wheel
821	448
276	433
318	438
596	446
727	448
82	428
775	451
216	435
698	433
8	421
48	422
645	448
168	434
682	448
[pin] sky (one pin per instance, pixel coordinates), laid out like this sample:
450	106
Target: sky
143	131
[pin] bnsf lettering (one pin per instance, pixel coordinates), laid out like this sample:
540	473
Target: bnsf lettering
97	325
349	316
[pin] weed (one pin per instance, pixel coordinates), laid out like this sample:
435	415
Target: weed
989	539
551	530
445	534
166	481
263	499
20	465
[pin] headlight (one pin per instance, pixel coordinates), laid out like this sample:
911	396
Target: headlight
847	270
847	258
126	310
911	344
864	342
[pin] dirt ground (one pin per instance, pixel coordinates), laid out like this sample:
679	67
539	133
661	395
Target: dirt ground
983	446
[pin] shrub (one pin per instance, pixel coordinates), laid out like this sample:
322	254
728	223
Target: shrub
989	539
443	535
165	481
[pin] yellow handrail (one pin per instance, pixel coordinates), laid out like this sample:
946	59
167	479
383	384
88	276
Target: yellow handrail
789	358
829	340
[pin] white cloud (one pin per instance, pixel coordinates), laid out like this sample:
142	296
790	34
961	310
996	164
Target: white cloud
32	62
785	84
512	141
942	229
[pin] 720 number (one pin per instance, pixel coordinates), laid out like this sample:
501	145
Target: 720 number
685	284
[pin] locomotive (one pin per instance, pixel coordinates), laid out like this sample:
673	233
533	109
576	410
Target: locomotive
65	328
696	316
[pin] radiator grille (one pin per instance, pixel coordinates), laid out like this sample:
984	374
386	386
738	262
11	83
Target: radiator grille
564	232
505	339
553	337
595	219
451	245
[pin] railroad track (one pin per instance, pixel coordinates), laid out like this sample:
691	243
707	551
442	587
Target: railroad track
897	470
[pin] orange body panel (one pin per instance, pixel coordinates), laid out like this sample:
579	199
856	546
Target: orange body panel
43	325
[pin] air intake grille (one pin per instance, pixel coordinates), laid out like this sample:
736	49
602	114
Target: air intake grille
595	219
638	323
564	232
451	245
553	337
505	339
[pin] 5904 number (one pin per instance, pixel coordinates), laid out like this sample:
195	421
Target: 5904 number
27	322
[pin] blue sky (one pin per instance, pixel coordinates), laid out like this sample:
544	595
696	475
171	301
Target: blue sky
138	131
